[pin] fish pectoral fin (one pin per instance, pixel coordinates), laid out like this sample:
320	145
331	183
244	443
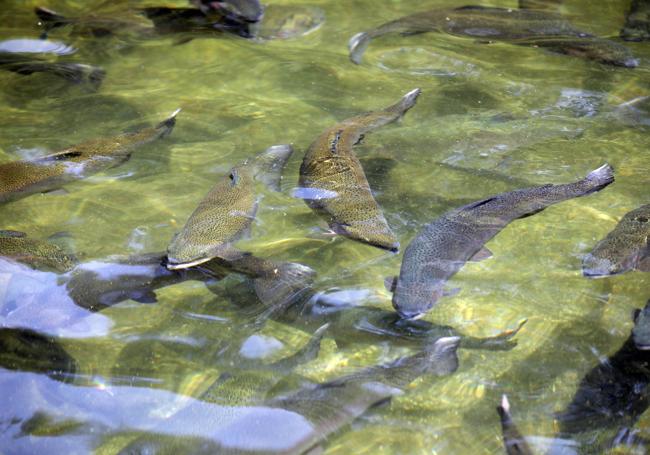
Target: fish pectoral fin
13	234
483	253
450	292
390	283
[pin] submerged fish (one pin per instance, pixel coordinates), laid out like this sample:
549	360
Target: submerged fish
332	181
527	27
74	72
239	10
443	246
514	442
614	393
299	422
19	179
227	211
190	20
626	248
35	253
637	22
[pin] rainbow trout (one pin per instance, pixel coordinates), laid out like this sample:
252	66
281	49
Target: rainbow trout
19	179
626	248
526	27
333	184
227	211
443	246
514	442
35	253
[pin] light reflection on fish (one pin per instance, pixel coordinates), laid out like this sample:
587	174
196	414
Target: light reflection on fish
19	179
445	245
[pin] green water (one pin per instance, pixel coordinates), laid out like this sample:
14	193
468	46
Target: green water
518	111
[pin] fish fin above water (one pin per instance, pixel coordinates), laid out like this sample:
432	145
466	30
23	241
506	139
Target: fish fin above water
358	45
51	19
390	283
405	103
482	254
602	176
168	123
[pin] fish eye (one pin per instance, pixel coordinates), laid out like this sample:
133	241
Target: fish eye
642	219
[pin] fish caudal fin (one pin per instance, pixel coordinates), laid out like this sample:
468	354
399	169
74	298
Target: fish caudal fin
406	102
270	164
168	123
358	45
601	177
445	357
513	441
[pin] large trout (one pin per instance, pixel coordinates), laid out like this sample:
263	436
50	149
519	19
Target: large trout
443	246
333	183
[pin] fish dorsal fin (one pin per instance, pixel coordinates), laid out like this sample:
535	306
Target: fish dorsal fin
13	234
482	254
390	283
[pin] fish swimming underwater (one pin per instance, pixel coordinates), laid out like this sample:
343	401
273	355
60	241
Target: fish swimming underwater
74	72
443	246
527	27
19	179
227	211
637	22
613	394
238	10
299	422
514	442
35	253
333	184
626	248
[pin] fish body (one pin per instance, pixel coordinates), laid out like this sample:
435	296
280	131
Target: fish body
333	183
443	246
29	64
626	248
168	20
35	253
519	26
19	179
227	211
95	24
637	22
615	392
514	442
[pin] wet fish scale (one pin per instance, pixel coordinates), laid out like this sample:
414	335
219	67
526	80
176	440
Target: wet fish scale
35	253
444	245
341	191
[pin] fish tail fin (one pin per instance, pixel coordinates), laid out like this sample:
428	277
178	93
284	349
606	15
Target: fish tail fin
167	125
288	284
600	178
405	103
49	18
444	355
358	45
504	409
270	164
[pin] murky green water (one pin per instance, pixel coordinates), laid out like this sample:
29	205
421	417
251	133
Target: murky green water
527	115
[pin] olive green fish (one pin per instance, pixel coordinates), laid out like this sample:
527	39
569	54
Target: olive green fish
19	179
626	248
514	442
227	211
527	27
333	183
443	246
73	72
35	253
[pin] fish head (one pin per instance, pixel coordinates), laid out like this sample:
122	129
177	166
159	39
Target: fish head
641	330
623	248
414	300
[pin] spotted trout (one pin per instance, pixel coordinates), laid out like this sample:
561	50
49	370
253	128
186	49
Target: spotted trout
626	248
443	246
19	179
35	253
527	27
333	183
227	211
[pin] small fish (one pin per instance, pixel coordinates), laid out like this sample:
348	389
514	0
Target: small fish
637	22
514	442
528	27
227	211
626	248
443	246
615	392
74	72
35	253
19	179
333	183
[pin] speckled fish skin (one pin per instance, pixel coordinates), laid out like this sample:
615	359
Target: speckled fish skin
19	179
444	245
625	248
226	211
499	24
331	168
35	253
